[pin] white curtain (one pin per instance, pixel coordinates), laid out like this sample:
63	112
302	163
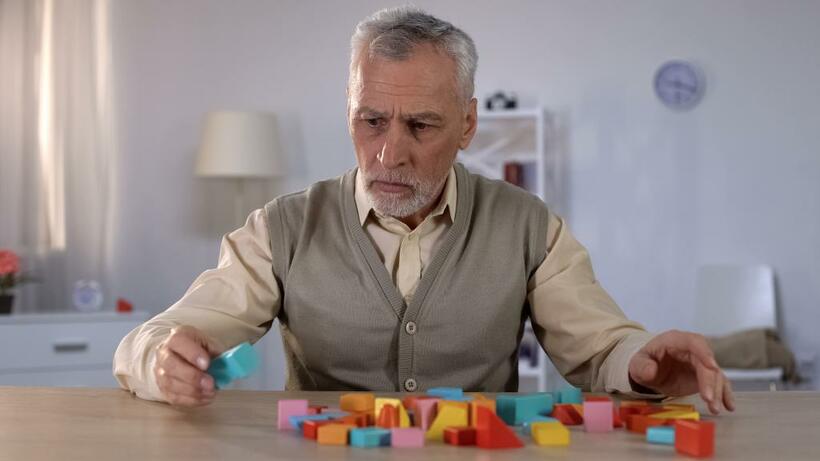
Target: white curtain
57	145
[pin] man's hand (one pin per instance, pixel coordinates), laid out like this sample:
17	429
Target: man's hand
677	363
182	360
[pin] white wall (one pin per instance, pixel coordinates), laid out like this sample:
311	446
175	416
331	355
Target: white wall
652	193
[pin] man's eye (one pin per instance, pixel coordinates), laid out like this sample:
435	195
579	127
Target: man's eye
419	126
373	122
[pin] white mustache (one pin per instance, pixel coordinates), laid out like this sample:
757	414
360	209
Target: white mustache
394	177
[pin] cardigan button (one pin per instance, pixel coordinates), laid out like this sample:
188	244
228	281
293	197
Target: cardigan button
411	328
410	385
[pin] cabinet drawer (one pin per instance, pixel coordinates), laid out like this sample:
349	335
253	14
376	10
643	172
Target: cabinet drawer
49	345
98	377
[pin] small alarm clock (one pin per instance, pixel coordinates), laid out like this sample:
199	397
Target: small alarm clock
679	85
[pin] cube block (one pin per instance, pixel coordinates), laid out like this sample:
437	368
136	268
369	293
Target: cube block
598	416
515	409
310	428
454	435
333	434
368	437
549	434
663	435
357	402
287	408
448	393
695	438
411	437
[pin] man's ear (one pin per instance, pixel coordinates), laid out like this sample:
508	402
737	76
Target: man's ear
470	124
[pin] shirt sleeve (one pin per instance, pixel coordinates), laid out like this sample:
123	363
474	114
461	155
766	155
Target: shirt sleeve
587	337
232	303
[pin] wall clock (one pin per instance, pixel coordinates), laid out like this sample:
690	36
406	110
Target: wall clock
679	85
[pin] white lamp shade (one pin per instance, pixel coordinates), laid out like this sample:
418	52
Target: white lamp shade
240	145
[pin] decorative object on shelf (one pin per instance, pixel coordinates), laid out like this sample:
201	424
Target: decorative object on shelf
124	306
514	173
240	146
88	295
679	84
10	277
501	100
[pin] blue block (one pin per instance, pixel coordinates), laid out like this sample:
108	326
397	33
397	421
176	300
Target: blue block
297	420
237	363
447	393
366	437
571	394
664	435
515	409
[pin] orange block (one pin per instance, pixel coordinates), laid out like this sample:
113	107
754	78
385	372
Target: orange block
460	436
357	402
679	407
486	403
567	414
639	423
389	417
310	428
492	432
634	403
695	438
333	434
356	419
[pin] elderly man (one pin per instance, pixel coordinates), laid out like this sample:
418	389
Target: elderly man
410	272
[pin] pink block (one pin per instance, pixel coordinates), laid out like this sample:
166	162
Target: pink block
287	408
598	416
426	410
409	437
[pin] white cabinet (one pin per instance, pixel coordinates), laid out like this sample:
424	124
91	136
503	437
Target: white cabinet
519	138
73	349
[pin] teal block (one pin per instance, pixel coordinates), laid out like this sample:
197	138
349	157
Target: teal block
505	408
447	393
571	394
515	409
367	437
237	363
664	435
298	420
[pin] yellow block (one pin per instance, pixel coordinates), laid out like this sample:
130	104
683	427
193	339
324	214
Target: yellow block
404	419
474	409
478	396
693	415
679	407
333	434
550	434
451	403
357	402
447	416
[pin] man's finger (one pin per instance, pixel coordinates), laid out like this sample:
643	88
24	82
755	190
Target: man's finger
706	380
175	386
714	405
645	369
728	396
700	348
177	368
180	400
189	349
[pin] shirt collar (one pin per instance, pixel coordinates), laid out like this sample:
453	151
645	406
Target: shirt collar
447	202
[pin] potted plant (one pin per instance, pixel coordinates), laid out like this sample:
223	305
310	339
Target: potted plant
10	277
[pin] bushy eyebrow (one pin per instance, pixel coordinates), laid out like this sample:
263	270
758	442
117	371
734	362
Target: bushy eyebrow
369	112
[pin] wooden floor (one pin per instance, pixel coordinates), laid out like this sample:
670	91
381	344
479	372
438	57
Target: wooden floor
108	424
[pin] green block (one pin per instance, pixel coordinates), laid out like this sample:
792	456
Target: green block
571	394
367	437
516	409
237	363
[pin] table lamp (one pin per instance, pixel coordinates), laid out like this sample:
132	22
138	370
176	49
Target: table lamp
240	146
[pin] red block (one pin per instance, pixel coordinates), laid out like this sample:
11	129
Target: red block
389	417
310	429
492	432
695	438
625	412
315	409
460	435
639	423
567	414
616	418
358	420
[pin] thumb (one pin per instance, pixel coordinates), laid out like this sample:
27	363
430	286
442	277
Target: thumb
643	368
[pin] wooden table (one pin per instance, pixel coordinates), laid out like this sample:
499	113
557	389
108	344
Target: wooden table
107	424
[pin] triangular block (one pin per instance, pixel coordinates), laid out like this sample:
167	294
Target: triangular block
492	432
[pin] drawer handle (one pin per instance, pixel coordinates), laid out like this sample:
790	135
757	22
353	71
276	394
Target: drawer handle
69	346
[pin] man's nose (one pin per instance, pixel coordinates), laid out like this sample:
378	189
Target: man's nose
394	151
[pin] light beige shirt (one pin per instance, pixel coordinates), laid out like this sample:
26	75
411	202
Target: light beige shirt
571	312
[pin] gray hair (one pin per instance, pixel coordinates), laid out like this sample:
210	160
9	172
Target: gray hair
392	33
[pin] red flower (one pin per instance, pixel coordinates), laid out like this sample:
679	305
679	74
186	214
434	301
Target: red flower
9	262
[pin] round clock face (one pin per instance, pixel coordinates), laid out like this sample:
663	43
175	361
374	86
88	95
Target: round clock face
679	85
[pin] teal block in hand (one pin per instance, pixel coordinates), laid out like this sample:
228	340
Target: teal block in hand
237	363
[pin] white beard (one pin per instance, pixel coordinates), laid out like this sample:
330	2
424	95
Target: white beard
422	192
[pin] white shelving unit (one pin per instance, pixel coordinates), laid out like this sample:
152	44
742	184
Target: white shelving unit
519	136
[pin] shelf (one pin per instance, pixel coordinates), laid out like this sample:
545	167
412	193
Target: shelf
527	371
509	114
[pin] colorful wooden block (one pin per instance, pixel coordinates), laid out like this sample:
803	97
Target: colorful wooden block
597	398
598	416
492	432
549	434
616	418
297	421
571	394
679	407
487	403
662	435
448	393
358	402
677	414
526	425
404	419
311	427
316	409
446	417
453	403
236	363
388	417
410	437
639	423
695	438
369	437
358	420
411	402
567	414
460	435
287	408
333	434
426	411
